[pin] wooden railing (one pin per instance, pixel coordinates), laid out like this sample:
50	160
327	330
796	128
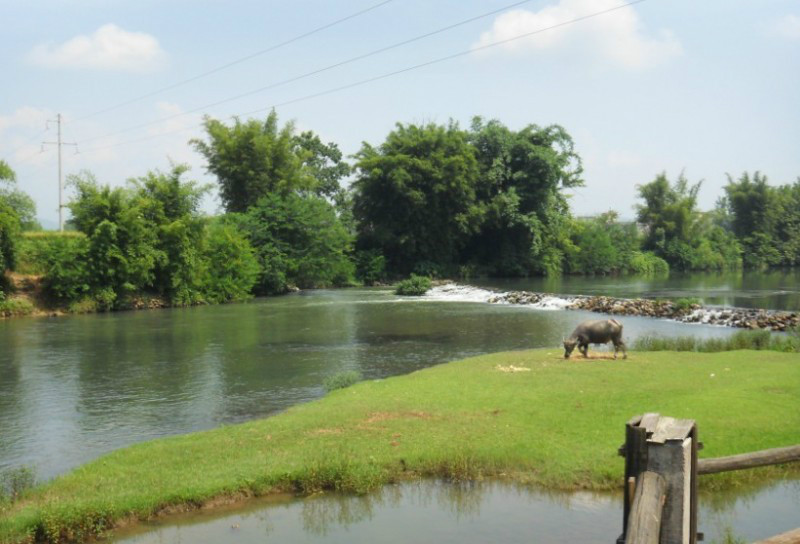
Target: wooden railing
661	470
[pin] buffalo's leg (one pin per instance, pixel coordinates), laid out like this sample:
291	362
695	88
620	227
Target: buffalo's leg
585	350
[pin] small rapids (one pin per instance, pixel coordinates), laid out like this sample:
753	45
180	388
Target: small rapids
665	309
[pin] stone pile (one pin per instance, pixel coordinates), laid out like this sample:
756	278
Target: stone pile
665	309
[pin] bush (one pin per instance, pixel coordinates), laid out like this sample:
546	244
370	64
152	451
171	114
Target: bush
370	266
14	306
413	286
15	482
231	266
342	380
62	260
647	264
686	304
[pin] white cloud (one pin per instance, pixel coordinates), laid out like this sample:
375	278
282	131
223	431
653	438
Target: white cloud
616	36
787	27
108	48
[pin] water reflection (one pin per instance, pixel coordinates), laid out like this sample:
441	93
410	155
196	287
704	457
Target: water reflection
464	513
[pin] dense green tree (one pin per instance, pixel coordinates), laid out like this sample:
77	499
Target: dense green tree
414	195
253	159
9	231
232	268
324	163
766	219
21	203
679	233
299	241
171	207
523	174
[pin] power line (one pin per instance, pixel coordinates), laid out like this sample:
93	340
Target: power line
311	73
234	62
394	73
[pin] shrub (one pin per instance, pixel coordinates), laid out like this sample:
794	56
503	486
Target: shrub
647	264
686	304
231	266
342	380
14	306
15	482
413	286
62	260
370	266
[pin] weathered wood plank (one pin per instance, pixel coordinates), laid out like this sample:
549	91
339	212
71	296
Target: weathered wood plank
761	458
792	537
649	422
669	428
644	523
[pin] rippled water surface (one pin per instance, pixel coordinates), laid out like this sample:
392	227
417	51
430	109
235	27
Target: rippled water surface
463	514
72	388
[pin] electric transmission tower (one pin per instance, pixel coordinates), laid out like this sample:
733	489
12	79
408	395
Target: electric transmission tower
59	143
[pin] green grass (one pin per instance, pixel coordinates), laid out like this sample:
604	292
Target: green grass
757	340
557	425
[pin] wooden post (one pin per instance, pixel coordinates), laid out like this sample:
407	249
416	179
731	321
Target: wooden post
644	525
667	447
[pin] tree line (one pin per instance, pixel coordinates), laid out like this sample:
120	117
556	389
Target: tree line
431	199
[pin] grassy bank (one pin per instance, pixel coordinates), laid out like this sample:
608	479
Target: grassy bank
557	424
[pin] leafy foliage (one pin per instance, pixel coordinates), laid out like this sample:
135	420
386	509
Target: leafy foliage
766	219
413	286
414	195
298	241
231	265
677	232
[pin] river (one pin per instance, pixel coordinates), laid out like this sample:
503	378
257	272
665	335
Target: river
73	388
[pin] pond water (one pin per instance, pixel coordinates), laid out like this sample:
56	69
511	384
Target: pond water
473	513
72	388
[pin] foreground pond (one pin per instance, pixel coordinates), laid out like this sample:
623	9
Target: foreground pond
440	513
73	388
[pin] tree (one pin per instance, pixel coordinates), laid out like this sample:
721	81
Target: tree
523	175
679	233
21	203
253	159
414	195
299	241
766	219
324	162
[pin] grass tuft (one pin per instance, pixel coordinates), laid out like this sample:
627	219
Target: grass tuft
342	380
755	340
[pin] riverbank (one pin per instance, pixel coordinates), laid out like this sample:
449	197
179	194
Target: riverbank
527	416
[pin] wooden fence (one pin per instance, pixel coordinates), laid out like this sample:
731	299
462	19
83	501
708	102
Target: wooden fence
661	470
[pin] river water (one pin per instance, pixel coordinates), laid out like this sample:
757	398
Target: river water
73	388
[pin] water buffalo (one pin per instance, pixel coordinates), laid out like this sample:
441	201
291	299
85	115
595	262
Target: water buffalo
595	332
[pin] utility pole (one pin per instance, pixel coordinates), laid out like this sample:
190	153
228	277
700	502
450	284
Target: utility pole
59	143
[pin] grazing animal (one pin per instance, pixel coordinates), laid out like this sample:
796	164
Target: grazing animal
595	332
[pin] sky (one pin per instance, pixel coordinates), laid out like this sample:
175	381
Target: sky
705	88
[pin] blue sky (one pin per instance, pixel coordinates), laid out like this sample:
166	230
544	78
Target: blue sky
663	85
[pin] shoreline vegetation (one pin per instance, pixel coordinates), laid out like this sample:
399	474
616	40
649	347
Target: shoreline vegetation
435	200
528	416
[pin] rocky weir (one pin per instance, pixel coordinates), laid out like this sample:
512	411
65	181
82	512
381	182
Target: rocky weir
681	310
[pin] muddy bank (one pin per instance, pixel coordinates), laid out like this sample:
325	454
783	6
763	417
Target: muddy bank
682	311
